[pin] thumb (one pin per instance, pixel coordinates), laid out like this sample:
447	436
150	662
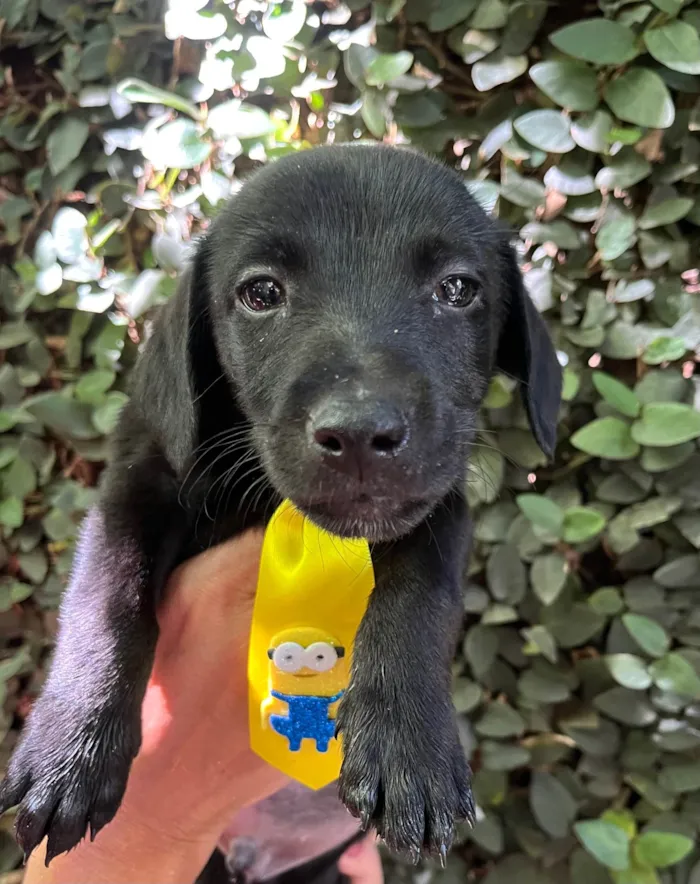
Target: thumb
361	863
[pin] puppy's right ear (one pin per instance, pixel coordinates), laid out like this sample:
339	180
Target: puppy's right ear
526	352
179	365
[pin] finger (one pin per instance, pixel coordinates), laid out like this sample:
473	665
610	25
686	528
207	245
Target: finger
361	863
222	579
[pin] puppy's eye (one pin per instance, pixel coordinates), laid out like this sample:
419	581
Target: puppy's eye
262	294
456	291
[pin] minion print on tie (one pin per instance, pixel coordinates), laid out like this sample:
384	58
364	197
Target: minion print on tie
308	677
313	590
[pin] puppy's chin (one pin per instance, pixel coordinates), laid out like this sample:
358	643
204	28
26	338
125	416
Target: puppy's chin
376	520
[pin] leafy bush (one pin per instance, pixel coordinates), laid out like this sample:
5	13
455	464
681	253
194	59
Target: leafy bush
578	683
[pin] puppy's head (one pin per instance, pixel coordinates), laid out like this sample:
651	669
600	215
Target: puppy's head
360	301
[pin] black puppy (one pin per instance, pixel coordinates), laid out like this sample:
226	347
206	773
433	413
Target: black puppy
331	344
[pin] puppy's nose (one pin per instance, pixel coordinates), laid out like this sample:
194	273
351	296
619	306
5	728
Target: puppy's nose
353	437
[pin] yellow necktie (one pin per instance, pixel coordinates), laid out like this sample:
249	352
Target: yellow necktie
313	590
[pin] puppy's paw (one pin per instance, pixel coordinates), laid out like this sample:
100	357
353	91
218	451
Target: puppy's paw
405	775
68	774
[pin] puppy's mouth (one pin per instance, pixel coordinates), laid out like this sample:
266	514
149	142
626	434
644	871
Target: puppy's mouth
376	519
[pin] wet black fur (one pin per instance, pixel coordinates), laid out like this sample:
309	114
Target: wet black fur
215	434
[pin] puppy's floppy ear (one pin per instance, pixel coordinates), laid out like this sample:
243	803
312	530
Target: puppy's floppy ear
180	366
525	351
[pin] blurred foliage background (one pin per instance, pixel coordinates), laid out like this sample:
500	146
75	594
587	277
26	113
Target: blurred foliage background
124	125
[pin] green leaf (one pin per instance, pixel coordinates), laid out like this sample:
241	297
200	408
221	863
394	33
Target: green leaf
547	129
106	416
663	424
548	575
553	806
49	280
570	84
490	14
681	777
497	69
498	395
44	251
20	479
14	334
661	849
630	708
542	511
480	648
62	415
582	523
572	177
283	21
387	67
449	13
524	21
598	40
176	145
500	721
629	671
671	7
607	437
651	512
623	819
237	119
473	45
606	600
664	349
615	237
667	211
69	234
65	143
636	874
503	756
604	841
506	575
93	385
616	394
659	460
11	512
676	45
640	96
570	385
649	635
576	625
591	131
634	290
674	673
623	170
355	61
375	112
139	91
679	573
539	641
525	192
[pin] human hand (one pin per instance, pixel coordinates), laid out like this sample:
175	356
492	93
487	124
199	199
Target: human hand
361	863
195	769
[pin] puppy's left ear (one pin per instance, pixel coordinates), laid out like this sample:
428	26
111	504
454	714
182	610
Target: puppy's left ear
525	351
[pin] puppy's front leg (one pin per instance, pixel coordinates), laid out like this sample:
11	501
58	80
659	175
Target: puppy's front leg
70	768
404	770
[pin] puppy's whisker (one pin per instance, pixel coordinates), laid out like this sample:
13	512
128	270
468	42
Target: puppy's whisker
226	480
226	436
248	493
206	390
